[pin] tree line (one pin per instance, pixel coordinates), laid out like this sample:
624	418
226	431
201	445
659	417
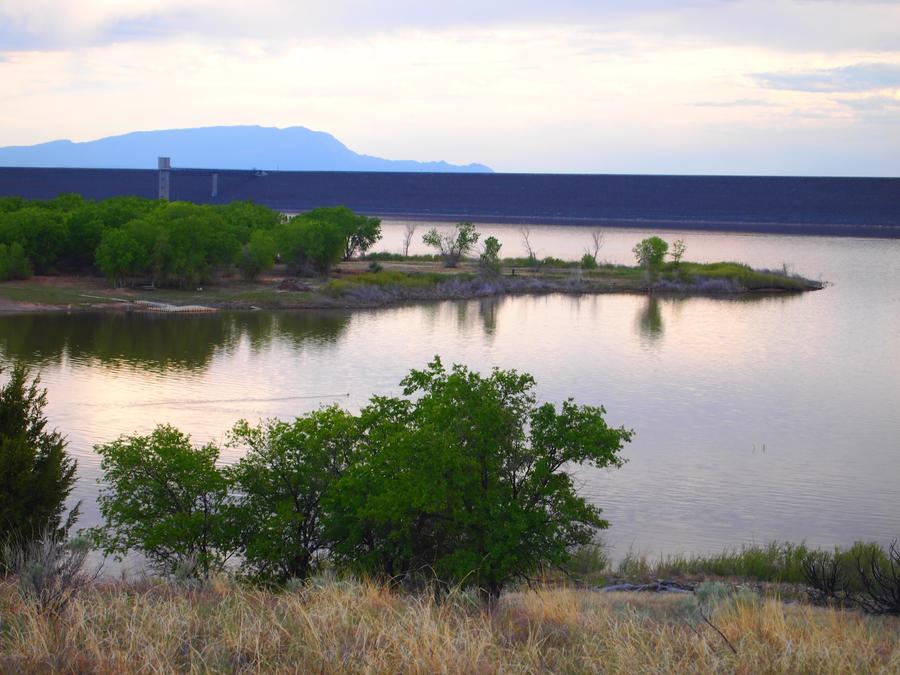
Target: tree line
134	240
464	479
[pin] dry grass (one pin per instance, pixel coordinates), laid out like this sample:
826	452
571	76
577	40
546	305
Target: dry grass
157	627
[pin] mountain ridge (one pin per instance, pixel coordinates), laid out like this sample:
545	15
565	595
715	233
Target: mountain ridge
294	148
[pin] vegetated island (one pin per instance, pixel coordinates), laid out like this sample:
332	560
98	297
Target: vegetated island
132	253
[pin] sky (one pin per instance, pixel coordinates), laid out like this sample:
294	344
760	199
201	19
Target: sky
775	87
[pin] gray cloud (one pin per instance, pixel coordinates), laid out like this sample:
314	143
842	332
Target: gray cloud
857	77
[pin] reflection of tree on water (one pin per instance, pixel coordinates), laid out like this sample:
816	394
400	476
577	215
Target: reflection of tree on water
154	341
650	321
488	308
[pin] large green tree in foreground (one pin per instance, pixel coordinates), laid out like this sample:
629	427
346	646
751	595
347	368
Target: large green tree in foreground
36	473
281	482
469	480
166	498
464	480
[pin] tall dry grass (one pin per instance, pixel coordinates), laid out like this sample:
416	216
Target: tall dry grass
158	627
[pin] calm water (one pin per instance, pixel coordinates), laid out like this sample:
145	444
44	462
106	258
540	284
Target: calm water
771	417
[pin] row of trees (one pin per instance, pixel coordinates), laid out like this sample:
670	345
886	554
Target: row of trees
463	480
129	239
465	483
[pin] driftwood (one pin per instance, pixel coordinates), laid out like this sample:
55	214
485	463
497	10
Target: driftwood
658	586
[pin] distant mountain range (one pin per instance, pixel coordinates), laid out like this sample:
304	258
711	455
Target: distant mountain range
229	147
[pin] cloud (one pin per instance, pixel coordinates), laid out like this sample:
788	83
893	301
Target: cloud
853	78
826	25
738	103
871	103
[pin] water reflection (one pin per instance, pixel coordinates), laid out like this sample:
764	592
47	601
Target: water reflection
156	342
650	322
488	308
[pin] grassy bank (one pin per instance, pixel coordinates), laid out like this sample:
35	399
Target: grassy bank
350	626
354	284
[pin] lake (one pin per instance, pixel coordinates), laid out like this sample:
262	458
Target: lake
771	417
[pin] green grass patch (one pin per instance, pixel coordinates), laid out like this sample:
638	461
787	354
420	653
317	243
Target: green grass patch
384	256
744	275
387	278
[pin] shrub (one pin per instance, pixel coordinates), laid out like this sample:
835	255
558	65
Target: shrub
678	249
48	569
167	499
865	575
468	480
452	244
281	481
490	256
588	261
36	472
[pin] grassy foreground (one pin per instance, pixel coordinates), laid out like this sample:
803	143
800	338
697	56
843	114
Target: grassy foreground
337	626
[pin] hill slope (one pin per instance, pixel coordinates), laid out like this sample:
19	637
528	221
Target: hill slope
230	147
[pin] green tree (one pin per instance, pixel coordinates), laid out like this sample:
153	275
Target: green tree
167	499
311	246
257	255
452	244
281	480
120	256
361	232
13	262
36	472
244	217
41	232
490	256
650	252
468	480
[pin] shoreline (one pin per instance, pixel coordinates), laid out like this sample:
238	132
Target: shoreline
352	287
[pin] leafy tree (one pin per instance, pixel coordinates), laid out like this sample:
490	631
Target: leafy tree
311	246
119	211
490	256
257	255
361	232
650	252
452	244
9	204
282	479
468	480
40	231
167	499
36	472
85	231
244	217
120	256
13	262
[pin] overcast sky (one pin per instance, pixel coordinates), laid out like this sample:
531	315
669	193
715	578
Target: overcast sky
641	86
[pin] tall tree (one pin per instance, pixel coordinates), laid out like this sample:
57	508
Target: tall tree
36	472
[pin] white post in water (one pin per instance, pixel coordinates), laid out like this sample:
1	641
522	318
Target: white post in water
215	185
164	165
